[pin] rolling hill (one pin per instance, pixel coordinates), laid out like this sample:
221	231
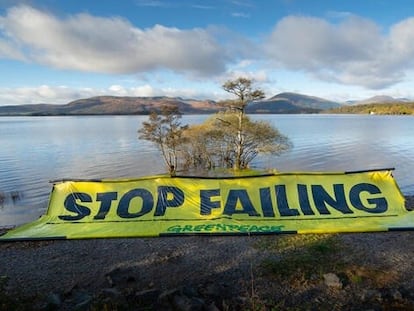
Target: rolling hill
283	103
112	105
396	108
291	103
380	99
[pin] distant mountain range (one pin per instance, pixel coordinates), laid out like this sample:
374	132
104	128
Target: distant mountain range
291	103
379	99
114	105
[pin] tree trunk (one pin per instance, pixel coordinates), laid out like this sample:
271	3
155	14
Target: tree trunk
239	145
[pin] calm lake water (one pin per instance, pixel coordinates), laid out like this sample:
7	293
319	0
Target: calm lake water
35	150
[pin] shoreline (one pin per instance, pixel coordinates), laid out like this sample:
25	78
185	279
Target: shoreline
349	271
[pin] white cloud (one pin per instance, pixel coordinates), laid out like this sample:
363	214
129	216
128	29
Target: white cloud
242	3
402	41
353	52
43	94
46	94
259	76
117	89
244	63
107	45
141	91
240	14
350	51
202	7
152	3
10	51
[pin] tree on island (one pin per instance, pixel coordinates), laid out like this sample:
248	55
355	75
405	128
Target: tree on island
228	139
216	143
165	130
242	89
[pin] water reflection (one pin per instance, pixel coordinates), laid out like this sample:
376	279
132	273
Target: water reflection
11	197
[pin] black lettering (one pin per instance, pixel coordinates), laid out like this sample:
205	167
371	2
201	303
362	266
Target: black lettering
380	204
282	203
147	203
163	202
233	198
304	200
205	201
322	199
71	205
266	201
106	199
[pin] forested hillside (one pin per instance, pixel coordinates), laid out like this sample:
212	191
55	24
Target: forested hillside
391	109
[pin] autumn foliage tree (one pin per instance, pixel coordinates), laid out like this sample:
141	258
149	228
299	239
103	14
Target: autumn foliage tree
165	130
215	143
242	88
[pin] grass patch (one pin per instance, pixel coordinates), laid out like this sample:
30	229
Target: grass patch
310	256
303	256
290	242
295	268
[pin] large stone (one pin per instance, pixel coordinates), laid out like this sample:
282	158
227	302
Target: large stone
332	280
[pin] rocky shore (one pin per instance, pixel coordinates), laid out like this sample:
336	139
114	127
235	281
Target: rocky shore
365	271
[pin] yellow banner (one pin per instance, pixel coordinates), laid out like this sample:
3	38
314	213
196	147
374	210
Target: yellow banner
279	203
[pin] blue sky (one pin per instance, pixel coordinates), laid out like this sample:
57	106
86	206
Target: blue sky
55	51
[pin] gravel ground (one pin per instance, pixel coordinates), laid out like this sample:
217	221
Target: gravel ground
52	273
